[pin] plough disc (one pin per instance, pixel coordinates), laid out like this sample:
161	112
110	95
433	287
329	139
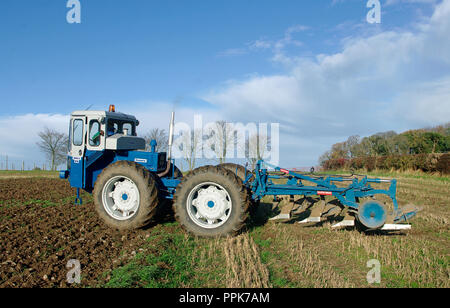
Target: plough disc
372	214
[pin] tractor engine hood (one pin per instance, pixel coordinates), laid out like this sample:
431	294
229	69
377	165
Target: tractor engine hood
122	142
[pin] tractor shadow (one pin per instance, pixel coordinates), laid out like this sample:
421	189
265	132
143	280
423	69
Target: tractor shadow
260	215
164	214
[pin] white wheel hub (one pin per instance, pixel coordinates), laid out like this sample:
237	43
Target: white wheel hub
121	198
209	205
125	195
212	203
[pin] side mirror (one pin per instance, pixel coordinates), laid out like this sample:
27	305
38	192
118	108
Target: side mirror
103	120
137	123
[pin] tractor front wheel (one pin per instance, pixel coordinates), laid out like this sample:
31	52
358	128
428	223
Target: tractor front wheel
211	201
125	196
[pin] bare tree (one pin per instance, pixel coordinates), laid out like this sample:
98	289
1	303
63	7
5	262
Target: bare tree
189	143
220	135
54	145
324	158
161	137
351	144
256	147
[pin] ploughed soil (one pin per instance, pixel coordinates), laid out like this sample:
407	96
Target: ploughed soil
41	230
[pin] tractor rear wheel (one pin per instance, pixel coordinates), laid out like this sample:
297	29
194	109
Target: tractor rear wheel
239	171
125	196
211	201
243	174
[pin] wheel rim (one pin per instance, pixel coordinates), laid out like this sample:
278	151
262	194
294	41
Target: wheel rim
209	205
121	198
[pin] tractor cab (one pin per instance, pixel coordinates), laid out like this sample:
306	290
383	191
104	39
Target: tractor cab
100	138
103	130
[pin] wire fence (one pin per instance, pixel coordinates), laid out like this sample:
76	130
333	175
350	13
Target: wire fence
12	164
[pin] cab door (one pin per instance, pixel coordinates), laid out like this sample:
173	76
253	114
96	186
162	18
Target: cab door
77	151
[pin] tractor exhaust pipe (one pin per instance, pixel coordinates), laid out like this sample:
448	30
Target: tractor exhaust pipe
169	151
171	129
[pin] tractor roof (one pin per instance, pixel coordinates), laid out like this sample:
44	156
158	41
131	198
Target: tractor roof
107	114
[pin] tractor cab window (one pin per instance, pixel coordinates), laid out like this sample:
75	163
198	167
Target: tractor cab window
113	128
119	127
128	128
94	133
70	137
78	132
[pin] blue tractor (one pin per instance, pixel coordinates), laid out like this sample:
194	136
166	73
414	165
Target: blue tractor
108	159
129	184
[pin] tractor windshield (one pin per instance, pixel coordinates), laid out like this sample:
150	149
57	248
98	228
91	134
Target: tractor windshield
115	126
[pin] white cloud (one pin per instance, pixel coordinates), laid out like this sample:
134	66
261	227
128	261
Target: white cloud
157	114
19	134
391	80
277	46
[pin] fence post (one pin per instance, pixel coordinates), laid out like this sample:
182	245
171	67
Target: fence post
23	165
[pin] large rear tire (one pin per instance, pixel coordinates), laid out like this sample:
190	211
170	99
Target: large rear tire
238	170
125	196
211	202
243	174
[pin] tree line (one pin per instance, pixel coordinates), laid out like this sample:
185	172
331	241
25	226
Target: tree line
421	141
421	149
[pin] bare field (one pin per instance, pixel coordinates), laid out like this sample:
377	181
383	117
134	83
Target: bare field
12	174
41	230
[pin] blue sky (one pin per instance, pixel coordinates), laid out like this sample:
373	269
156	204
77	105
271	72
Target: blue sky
316	67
